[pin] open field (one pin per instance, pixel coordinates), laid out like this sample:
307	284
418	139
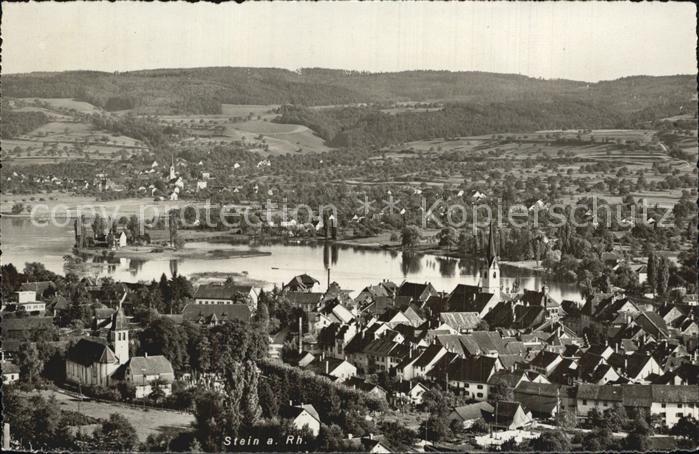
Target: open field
146	421
252	125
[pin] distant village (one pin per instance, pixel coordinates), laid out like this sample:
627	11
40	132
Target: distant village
480	367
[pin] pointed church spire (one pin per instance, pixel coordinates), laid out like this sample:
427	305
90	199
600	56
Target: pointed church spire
491	245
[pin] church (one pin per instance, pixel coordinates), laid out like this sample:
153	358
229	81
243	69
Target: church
94	361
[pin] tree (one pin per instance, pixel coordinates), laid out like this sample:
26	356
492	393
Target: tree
156	390
29	362
551	442
501	392
687	428
636	441
410	235
116	434
597	440
398	435
652	271
447	237
435	428
268	399
663	276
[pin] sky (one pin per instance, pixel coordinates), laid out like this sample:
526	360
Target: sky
587	41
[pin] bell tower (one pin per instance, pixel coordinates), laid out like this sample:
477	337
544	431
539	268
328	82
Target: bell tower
119	334
491	281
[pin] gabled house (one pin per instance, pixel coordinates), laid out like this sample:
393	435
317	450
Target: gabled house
365	386
410	391
637	367
418	293
218	294
338	370
418	365
301	416
459	322
545	362
143	371
303	283
508	416
467	415
469	376
471	298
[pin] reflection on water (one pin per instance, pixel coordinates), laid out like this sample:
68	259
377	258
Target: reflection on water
352	268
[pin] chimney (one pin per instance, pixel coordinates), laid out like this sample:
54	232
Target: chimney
146	354
327	367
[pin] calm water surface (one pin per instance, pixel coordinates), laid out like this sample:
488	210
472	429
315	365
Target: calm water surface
352	268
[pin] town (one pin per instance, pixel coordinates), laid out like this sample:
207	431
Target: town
305	227
400	366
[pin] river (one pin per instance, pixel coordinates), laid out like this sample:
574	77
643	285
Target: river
352	268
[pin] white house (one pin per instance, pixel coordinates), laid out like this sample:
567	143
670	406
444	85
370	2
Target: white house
302	416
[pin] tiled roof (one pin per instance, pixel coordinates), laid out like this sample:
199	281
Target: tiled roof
428	355
472	411
91	350
460	320
151	365
473	369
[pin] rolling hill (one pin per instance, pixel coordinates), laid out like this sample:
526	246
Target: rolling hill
203	90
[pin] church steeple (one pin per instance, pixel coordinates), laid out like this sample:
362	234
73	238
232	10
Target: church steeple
492	254
491	281
119	334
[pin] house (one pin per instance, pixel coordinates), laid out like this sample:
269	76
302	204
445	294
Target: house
471	298
338	369
542	299
418	365
10	372
393	316
545	400
301	416
302	283
508	416
635	367
545	362
469	376
42	289
467	415
384	354
27	302
308	302
210	314
374	445
685	374
226	294
142	371
667	402
365	386
418	293
460	322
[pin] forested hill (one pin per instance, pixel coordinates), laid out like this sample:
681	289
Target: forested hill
203	90
367	127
